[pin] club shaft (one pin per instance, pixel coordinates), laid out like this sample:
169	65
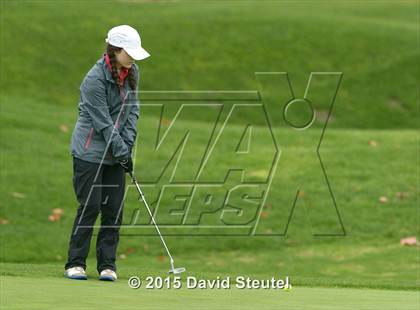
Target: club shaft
154	222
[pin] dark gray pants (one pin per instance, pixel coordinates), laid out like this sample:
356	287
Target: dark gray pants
99	189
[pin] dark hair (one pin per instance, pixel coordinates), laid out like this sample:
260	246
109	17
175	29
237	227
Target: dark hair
110	50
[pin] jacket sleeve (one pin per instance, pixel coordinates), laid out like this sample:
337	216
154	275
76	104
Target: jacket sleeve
129	131
93	95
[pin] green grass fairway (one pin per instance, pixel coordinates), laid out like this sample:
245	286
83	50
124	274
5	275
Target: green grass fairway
54	293
42	286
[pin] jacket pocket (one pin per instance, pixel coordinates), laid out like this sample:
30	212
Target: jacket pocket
89	138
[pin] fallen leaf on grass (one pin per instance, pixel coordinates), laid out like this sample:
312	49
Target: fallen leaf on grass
130	250
53	217
3	221
56	214
401	195
373	143
165	121
409	241
18	195
264	214
383	199
64	128
57	211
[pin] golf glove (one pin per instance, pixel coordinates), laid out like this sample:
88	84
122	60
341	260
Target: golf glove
127	164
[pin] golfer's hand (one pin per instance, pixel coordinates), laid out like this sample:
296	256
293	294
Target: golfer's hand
127	164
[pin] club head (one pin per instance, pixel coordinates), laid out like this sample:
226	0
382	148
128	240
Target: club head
177	270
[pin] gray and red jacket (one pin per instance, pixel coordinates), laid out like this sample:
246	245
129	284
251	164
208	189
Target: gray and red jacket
106	128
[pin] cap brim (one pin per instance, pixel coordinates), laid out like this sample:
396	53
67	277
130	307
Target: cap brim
137	53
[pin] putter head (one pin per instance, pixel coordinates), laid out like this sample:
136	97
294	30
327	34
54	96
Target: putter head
177	270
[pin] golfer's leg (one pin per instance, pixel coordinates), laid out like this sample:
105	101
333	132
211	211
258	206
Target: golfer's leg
111	217
89	198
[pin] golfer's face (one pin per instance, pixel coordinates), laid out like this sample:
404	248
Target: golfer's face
124	59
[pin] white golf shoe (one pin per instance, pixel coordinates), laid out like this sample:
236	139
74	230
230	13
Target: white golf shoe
76	273
108	275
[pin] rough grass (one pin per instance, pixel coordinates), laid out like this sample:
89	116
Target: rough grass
203	45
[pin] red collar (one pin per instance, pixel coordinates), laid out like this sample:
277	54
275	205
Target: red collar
123	71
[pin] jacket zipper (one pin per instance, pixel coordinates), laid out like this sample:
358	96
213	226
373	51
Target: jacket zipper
89	138
122	95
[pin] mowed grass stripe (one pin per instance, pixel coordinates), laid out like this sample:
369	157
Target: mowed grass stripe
51	293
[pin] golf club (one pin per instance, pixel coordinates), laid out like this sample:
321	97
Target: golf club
173	270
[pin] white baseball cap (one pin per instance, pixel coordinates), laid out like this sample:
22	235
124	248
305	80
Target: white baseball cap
129	39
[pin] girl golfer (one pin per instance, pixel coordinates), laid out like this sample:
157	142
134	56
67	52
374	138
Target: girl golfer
101	147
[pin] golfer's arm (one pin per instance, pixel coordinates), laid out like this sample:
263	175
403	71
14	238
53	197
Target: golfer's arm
93	96
129	132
